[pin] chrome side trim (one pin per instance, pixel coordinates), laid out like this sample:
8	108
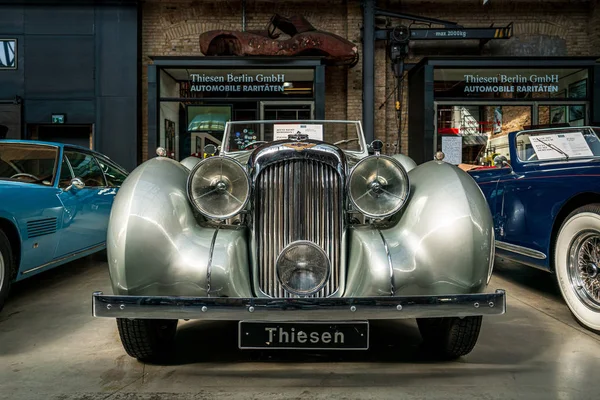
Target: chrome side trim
72	255
391	266
298	309
524	251
210	258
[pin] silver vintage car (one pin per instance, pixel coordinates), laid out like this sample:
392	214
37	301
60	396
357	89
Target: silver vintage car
303	233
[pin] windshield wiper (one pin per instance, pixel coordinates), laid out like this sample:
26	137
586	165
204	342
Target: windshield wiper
555	148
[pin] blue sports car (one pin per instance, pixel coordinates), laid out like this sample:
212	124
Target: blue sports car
55	201
545	203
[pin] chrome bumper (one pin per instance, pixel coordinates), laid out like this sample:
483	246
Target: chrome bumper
298	309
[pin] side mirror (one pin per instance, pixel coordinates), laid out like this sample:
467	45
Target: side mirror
75	183
376	146
507	164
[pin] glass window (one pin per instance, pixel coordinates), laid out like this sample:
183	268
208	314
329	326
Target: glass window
114	176
28	163
86	168
477	134
65	174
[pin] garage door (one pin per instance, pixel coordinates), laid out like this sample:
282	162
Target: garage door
10	116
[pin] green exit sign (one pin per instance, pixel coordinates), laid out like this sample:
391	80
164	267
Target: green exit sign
59	118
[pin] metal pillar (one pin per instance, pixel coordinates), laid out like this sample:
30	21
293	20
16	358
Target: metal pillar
243	15
153	110
368	59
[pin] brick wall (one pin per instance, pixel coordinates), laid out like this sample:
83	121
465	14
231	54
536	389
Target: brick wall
549	27
594	27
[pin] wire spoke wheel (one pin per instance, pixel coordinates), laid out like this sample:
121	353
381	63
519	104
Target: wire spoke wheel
584	268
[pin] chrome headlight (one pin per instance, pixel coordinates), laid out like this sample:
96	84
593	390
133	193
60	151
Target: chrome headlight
303	268
219	187
378	186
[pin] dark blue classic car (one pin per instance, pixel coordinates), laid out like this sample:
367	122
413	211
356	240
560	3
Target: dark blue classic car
545	203
55	201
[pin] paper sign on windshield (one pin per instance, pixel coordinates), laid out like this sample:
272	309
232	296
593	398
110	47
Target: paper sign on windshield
573	144
282	131
452	149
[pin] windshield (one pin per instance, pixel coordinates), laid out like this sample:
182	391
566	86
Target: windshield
28	163
558	144
247	135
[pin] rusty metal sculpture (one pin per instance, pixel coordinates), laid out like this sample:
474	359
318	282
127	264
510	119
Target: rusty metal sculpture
304	40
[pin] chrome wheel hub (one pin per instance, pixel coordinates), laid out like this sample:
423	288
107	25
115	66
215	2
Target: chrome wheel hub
583	268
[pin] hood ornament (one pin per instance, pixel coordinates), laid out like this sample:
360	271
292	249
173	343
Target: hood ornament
298	136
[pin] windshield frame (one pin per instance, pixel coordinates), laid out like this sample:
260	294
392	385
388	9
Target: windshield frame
555	131
56	161
360	133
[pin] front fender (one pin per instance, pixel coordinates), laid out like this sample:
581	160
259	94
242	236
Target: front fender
155	245
441	243
8	216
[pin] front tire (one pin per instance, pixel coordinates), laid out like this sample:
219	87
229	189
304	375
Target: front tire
450	337
150	340
6	267
577	264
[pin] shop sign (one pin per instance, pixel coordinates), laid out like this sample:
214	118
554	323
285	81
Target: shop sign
237	83
502	83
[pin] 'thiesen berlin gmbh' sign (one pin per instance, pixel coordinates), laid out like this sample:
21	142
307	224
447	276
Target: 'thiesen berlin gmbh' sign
510	84
237	83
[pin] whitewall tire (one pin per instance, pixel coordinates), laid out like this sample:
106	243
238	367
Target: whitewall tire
577	264
6	265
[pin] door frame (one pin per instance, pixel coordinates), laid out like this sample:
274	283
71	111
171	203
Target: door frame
262	105
287	102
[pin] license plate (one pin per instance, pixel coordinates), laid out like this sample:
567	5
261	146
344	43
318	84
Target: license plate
304	335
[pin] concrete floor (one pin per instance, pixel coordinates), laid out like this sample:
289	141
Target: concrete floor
52	348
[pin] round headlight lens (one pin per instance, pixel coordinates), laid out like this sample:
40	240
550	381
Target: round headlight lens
378	186
219	187
303	268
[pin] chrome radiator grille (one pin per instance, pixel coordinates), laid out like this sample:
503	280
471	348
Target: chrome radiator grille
297	200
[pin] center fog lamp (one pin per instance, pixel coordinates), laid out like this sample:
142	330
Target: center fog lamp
303	268
378	186
218	187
